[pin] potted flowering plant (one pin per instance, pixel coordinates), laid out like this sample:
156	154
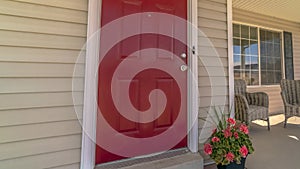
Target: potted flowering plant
229	144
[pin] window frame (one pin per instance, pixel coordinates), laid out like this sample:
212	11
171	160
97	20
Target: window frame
259	27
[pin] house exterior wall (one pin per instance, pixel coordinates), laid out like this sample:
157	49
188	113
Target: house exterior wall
276	105
39	44
213	60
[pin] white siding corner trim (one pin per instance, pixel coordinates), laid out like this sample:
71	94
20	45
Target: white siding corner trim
91	87
193	106
230	54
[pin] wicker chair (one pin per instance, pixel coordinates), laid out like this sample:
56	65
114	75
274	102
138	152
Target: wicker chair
250	106
290	93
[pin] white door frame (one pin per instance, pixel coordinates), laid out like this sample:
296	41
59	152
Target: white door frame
91	83
230	54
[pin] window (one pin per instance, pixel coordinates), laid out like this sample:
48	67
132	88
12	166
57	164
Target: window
257	55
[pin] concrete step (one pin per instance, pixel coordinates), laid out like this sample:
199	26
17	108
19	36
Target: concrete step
175	159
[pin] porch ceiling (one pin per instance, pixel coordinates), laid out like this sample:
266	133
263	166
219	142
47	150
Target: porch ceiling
284	9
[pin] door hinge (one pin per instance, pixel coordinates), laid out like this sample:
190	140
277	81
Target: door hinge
194	50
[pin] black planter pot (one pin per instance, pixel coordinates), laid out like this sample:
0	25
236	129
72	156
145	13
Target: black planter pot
234	165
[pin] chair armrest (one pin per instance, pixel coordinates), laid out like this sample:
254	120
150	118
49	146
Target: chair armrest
258	99
241	107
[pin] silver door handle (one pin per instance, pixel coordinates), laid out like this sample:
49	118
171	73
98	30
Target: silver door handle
183	68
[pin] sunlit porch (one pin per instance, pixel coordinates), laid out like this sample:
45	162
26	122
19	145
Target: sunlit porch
262	56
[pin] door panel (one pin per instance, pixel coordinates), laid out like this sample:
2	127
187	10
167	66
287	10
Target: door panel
128	99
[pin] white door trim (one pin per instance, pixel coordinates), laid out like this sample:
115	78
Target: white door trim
91	84
193	77
89	121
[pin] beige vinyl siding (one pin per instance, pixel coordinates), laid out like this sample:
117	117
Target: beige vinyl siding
212	21
31	10
213	58
64	158
40	108
276	105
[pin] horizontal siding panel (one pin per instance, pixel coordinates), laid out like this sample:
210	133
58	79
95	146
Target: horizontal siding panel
213	91
54	159
216	6
39	146
21	39
41	26
208	42
205	110
38	131
265	88
220	1
38	85
277	103
39	115
40	70
39	100
213	101
39	55
208	23
212	71
213	62
70	166
42	12
213	52
213	81
211	14
214	33
71	4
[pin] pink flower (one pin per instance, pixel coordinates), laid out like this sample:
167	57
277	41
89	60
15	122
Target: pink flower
214	131
244	129
208	149
215	139
231	121
236	135
227	133
230	157
244	151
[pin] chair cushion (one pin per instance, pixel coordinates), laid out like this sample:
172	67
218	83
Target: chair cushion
257	112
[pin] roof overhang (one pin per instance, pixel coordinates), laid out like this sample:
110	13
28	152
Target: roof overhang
284	9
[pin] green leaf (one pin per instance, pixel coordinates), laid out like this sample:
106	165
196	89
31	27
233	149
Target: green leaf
238	160
218	159
226	162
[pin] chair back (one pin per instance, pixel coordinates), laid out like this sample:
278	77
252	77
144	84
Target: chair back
291	89
240	86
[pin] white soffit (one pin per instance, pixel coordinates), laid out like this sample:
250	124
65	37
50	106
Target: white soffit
284	9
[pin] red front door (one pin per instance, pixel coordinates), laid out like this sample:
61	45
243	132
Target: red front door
142	78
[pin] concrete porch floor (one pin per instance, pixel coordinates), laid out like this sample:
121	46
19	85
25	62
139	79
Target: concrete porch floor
275	149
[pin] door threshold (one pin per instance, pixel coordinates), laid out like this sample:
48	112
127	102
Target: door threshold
143	159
